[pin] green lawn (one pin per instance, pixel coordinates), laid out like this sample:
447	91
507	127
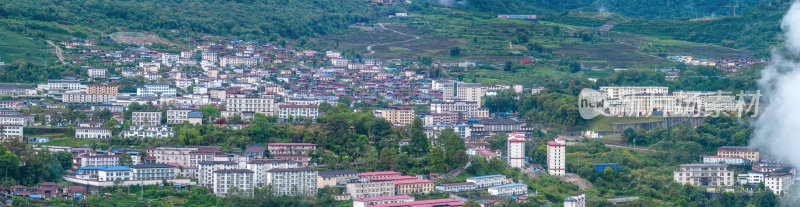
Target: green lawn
68	142
603	123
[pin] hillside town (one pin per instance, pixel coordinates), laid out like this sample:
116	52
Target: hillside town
147	94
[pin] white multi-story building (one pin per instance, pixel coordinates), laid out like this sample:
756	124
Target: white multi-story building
365	189
210	57
112	173
156	90
723	160
184	83
146	118
15	131
15	120
488	180
615	92
237	61
65	84
298	111
92	133
516	150
206	169
153	171
291	148
96	72
456	90
265	106
577	200
704	175
509	190
339	61
82	97
260	168
556	157
99	160
456	187
227	179
177	116
468	109
293	181
644	101
778	182
149	132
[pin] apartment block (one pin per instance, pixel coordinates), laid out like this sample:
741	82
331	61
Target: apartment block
398	115
750	154
81	97
227	179
103	89
206	171
264	106
177	116
293	181
262	166
406	187
153	171
298	112
778	182
366	189
704	175
516	150
156	90
98	160
146	118
556	157
291	148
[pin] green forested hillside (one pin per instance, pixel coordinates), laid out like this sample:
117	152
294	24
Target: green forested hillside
648	9
756	31
245	18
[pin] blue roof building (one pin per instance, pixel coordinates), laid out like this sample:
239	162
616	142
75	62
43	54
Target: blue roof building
600	167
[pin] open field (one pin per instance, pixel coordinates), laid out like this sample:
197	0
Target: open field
606	54
492	40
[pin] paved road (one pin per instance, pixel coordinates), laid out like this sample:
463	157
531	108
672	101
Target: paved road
369	47
59	52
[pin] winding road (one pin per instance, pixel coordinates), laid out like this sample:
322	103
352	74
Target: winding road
369	47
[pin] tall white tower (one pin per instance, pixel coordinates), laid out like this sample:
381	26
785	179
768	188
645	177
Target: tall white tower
556	151
516	149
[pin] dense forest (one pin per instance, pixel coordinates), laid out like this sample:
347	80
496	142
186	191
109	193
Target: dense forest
756	30
248	19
